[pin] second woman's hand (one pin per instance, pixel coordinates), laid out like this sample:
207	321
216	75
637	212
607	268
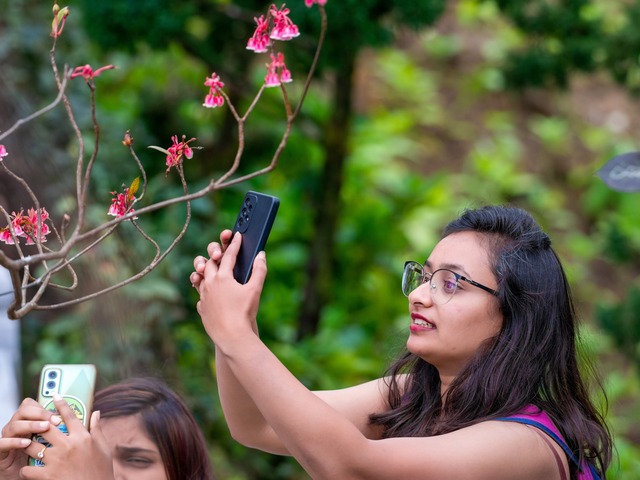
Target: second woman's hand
228	309
77	455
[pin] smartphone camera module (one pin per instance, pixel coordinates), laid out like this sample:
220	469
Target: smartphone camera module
244	216
51	382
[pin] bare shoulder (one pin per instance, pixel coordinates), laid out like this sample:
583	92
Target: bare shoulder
489	450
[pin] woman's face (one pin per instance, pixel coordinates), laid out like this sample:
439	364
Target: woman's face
135	455
447	336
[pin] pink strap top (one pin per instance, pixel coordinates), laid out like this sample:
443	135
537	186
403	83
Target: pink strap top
532	415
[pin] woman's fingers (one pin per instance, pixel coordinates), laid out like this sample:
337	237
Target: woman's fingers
259	271
30	418
96	432
225	239
230	254
8	444
198	264
67	414
215	251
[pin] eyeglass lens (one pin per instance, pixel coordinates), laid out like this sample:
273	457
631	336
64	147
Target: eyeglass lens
443	282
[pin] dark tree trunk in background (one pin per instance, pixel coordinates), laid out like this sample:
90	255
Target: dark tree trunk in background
320	266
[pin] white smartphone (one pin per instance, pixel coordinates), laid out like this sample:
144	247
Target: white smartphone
76	384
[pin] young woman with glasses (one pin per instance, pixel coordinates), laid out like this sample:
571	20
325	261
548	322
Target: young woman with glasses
489	388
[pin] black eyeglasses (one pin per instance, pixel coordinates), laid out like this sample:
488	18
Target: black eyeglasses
443	282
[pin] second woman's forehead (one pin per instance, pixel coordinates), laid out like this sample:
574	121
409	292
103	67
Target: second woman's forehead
463	252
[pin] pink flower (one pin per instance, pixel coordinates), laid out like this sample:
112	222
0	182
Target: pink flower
5	236
3	151
88	73
30	227
214	98
271	79
283	28
285	75
214	81
277	72
27	227
309	3
177	151
259	42
121	202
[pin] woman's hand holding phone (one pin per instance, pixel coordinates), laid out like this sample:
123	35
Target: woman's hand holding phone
227	307
254	221
78	454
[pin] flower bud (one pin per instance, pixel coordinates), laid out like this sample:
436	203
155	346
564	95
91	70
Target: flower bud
127	141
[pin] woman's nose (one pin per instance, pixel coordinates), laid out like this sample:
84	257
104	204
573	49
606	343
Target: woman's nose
422	294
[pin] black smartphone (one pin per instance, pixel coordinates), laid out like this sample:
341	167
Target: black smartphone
254	222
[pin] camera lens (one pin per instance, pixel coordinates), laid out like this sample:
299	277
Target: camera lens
51	385
52	374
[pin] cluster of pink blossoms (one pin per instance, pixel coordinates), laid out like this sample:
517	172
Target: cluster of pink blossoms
277	71
282	29
275	26
177	151
26	226
121	202
214	98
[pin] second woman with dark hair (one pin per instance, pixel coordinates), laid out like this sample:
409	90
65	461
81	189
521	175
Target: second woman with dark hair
140	430
151	432
489	387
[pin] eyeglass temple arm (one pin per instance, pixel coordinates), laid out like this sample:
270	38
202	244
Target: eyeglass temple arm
479	285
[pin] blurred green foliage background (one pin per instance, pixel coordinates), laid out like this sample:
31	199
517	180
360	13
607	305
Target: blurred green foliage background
419	110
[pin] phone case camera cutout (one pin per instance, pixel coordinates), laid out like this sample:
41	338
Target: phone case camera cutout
254	222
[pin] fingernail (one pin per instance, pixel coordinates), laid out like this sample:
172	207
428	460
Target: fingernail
56	420
25	442
56	397
43	424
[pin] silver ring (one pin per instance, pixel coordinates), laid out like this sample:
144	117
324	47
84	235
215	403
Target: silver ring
41	453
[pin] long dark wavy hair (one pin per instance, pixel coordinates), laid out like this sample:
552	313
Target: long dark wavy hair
532	360
167	421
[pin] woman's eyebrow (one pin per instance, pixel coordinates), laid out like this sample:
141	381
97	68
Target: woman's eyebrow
133	450
449	266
